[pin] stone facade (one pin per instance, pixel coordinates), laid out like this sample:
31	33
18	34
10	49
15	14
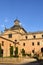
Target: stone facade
17	36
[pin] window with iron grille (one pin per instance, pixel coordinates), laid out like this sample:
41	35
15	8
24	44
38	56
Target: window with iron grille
10	35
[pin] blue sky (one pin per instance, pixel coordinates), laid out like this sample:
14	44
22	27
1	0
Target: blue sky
29	12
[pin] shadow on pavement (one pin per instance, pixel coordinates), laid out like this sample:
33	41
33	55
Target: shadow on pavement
39	62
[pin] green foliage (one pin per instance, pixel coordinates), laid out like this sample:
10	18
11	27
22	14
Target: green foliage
11	50
36	56
28	54
1	52
0	49
23	52
16	52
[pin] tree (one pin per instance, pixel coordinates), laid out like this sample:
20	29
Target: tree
11	50
16	51
23	52
1	51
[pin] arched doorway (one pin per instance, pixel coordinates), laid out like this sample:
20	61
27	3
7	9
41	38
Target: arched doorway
42	49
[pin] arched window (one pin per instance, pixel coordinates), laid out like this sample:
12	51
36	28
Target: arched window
34	36
32	43
42	36
26	37
23	44
15	40
32	51
38	43
42	49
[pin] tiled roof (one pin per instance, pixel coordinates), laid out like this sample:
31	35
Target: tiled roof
37	32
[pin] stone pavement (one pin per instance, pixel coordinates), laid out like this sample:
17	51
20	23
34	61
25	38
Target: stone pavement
31	63
16	60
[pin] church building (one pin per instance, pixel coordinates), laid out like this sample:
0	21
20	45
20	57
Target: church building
17	40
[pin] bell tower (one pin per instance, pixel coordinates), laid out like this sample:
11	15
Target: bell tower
16	22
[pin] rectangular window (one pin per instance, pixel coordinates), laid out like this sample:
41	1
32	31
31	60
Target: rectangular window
2	43
10	35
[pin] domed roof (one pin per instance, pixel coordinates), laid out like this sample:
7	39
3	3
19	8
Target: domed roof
17	25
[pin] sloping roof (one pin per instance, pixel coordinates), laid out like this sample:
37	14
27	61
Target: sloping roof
37	32
15	27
